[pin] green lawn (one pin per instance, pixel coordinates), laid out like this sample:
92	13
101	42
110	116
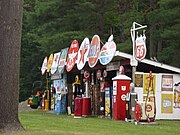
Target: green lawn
43	123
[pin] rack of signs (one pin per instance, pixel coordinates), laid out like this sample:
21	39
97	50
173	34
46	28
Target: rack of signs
60	67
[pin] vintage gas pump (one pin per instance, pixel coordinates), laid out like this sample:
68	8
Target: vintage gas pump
53	93
146	110
86	100
47	97
77	98
121	86
131	99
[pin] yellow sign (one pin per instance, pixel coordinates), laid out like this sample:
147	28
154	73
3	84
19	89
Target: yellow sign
167	103
149	85
50	60
107	107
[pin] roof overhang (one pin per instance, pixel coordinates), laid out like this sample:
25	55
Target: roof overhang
149	62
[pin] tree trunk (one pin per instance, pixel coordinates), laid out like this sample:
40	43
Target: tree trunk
10	44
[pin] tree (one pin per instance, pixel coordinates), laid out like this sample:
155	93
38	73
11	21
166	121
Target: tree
10	44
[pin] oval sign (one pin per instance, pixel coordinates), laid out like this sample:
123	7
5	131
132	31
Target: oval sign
107	52
62	60
104	73
83	53
44	66
72	55
86	74
50	60
94	51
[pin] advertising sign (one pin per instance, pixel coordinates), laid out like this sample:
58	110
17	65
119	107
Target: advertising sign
138	80
107	52
166	103
107	102
177	95
50	60
152	85
94	51
83	53
44	66
86	74
113	66
62	60
167	83
140	49
72	55
55	62
114	87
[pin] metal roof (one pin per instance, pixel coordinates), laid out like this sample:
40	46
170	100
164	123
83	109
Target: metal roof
150	62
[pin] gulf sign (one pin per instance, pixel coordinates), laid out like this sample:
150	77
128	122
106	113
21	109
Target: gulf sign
72	55
94	51
107	51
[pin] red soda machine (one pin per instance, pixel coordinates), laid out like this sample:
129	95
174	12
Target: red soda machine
121	86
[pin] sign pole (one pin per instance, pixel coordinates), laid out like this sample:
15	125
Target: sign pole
134	62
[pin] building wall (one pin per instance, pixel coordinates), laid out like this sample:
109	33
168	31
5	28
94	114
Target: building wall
164	91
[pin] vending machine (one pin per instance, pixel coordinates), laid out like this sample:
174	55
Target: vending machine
108	112
121	86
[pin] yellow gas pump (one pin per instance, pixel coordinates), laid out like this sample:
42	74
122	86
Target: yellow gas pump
76	91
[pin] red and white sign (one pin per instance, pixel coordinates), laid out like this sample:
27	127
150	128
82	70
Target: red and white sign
55	62
86	74
72	55
107	51
104	73
140	49
83	53
44	65
94	51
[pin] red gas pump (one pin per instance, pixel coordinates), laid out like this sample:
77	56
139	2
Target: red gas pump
121	86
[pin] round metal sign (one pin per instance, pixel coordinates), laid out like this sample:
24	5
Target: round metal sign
83	53
94	51
107	52
72	55
86	74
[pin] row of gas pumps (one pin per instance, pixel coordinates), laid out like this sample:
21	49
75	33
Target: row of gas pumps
114	99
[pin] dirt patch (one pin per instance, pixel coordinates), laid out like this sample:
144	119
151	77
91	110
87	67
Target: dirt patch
23	107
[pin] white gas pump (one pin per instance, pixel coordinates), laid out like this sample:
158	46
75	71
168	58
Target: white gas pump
146	110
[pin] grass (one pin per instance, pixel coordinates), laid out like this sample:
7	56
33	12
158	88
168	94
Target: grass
43	123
